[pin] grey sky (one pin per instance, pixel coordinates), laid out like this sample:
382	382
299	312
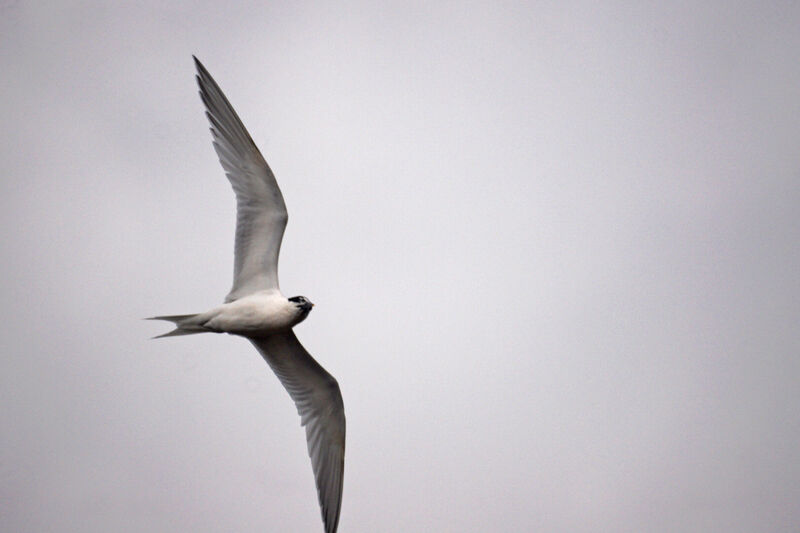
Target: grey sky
553	246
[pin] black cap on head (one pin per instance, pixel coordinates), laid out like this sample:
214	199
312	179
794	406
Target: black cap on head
302	302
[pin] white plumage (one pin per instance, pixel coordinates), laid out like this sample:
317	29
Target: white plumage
256	309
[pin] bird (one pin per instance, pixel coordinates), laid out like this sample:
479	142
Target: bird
256	309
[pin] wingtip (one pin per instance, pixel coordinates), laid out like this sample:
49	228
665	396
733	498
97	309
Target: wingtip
198	65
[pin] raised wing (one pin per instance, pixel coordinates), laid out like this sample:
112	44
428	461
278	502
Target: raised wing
260	211
319	403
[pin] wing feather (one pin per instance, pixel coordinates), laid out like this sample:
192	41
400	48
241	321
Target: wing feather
319	403
261	212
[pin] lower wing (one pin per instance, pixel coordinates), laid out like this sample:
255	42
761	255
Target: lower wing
319	403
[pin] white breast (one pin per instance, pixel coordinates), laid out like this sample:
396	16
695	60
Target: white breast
257	313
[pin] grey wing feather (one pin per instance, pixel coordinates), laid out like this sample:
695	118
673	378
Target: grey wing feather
260	210
319	402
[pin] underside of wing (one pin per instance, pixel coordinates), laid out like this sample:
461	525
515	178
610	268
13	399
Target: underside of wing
261	213
319	402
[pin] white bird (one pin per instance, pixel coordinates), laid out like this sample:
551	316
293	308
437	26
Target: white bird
256	309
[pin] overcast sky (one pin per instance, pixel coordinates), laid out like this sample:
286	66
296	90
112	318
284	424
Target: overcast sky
554	249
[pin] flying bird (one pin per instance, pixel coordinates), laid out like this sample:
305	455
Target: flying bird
256	309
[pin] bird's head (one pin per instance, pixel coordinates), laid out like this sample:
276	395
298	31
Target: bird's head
303	304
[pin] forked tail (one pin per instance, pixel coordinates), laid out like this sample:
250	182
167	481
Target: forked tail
185	325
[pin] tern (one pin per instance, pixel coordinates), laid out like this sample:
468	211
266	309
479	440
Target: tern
256	309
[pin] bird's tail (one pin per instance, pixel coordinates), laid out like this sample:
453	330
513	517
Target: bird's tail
186	325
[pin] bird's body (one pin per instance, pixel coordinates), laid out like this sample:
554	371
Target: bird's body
254	315
257	314
256	309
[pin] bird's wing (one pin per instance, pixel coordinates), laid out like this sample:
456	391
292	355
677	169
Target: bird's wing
319	403
260	211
